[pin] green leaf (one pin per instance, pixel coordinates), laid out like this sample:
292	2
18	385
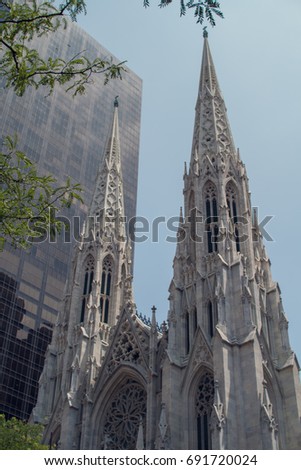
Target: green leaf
18	435
25	195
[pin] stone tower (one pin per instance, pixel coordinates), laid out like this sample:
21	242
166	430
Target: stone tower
99	283
221	373
229	357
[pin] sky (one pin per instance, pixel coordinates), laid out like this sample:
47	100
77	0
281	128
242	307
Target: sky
257	54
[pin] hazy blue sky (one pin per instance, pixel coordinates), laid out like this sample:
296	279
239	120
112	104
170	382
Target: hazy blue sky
257	54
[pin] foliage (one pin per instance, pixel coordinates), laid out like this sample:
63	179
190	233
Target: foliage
21	65
203	10
18	435
28	202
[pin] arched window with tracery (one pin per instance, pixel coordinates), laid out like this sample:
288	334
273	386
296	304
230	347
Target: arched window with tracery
88	282
125	415
105	288
203	406
233	211
211	222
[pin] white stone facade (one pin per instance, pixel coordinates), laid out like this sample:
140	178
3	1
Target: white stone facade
220	374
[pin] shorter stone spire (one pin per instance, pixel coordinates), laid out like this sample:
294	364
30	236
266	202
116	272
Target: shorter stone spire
106	215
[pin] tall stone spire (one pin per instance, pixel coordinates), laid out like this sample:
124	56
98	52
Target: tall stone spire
227	327
106	214
211	129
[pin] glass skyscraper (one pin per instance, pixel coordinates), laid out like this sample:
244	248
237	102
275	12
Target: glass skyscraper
65	136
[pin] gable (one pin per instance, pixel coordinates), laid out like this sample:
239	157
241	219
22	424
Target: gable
200	356
129	346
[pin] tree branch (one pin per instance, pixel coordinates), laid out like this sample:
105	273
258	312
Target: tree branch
13	53
38	17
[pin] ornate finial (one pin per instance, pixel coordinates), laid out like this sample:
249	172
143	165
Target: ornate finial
116	104
205	32
154	321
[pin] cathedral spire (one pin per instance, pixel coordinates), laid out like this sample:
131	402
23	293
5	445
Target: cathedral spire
106	215
212	132
99	289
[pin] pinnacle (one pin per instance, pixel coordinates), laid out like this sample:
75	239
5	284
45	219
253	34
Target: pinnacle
212	132
107	205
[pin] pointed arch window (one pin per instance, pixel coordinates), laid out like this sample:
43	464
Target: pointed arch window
195	319
211	318
105	289
191	324
233	213
187	333
123	274
211	210
203	405
88	282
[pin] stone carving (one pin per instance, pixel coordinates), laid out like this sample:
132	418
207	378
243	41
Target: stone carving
217	417
201	354
196	163
126	348
163	429
125	413
205	395
216	134
140	437
267	409
270	425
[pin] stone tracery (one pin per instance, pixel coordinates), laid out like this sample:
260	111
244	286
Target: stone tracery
127	348
205	395
125	412
204	406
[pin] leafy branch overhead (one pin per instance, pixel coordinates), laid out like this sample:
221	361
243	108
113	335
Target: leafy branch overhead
203	10
29	202
21	65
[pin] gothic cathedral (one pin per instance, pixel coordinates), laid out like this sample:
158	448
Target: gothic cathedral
220	373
